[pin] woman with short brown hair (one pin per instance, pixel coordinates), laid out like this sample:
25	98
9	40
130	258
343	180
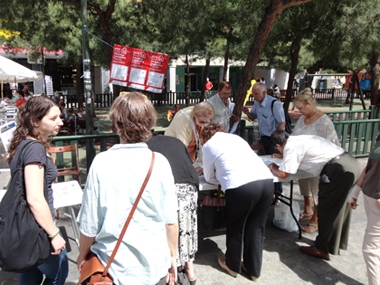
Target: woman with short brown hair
147	254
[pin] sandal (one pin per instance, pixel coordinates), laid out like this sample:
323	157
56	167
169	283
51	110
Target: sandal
310	228
304	216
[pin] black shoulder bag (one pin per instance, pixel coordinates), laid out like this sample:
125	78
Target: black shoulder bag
288	121
23	243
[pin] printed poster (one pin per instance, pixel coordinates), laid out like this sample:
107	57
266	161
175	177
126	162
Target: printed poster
137	68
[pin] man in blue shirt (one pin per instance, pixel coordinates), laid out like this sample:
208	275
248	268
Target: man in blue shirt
270	115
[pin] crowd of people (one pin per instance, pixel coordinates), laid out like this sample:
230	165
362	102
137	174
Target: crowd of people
162	238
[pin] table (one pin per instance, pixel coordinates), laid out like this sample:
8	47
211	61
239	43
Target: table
204	186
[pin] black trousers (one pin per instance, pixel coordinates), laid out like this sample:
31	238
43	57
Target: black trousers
333	212
269	146
247	209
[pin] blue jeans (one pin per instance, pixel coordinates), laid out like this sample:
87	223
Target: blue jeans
55	268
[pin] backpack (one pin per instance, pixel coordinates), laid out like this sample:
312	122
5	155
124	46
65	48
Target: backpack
23	243
288	121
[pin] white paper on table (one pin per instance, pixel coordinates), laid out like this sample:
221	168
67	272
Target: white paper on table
234	127
67	193
274	160
2	193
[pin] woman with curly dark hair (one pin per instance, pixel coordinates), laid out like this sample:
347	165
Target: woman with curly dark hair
38	121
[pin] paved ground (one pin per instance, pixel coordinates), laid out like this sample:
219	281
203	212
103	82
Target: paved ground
283	263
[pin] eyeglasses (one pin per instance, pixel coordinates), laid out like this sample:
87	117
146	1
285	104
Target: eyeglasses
201	121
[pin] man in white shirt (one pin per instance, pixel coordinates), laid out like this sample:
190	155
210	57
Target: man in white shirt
223	106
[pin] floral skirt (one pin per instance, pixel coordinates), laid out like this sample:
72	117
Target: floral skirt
187	222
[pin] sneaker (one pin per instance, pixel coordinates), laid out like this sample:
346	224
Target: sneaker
222	263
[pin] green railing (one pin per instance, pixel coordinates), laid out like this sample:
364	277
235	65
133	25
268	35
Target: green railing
357	130
102	141
357	136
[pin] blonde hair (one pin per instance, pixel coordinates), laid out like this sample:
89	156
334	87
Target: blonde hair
203	109
304	97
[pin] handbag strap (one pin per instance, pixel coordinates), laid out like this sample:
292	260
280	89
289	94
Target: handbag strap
20	161
105	272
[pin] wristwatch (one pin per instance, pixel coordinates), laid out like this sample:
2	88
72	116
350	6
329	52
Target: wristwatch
271	167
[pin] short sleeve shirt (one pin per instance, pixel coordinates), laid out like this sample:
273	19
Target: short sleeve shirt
268	119
222	113
36	153
114	180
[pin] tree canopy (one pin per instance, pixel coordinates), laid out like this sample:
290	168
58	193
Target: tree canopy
286	34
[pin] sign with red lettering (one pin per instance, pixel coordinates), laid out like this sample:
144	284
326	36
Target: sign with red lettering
137	68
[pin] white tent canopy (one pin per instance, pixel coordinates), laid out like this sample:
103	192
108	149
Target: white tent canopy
13	72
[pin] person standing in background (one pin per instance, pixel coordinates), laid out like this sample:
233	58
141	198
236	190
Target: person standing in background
312	122
223	107
270	116
208	88
249	91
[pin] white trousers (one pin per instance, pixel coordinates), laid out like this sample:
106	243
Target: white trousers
371	242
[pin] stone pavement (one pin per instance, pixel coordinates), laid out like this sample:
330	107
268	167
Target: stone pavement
283	263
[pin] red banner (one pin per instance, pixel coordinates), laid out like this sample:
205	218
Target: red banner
137	68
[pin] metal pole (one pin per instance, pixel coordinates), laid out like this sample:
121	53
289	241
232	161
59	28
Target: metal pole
90	149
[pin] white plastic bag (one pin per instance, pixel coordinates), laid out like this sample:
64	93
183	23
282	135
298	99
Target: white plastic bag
283	217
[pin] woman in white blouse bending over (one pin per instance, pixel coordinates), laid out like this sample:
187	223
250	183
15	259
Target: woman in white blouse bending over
312	122
248	192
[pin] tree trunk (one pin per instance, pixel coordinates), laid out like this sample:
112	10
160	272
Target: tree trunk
188	85
205	75
92	67
294	54
225	65
272	12
374	63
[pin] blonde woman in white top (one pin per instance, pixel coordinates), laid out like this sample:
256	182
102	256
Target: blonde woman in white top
312	122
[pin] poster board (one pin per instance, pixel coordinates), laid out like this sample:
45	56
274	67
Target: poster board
137	68
67	194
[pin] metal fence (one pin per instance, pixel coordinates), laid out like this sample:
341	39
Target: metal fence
357	131
180	98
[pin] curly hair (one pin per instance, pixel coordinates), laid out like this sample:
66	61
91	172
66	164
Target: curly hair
36	108
134	116
209	130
